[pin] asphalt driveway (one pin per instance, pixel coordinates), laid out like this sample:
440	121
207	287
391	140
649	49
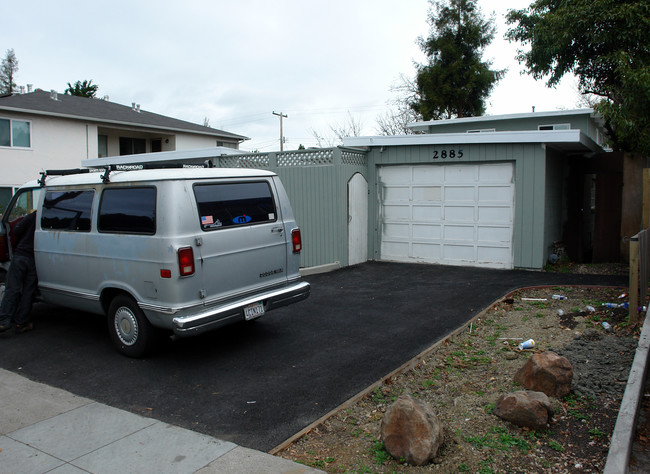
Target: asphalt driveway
256	384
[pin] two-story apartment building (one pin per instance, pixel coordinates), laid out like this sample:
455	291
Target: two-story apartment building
45	130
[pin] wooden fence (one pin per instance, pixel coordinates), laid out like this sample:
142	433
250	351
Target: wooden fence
639	272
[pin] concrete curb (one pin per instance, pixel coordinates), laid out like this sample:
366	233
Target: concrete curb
620	447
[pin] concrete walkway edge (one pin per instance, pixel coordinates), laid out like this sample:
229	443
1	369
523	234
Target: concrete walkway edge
46	429
620	447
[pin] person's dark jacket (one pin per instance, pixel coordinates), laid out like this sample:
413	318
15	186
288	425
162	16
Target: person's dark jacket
24	232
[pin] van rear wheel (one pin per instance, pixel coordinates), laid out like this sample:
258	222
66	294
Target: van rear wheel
129	328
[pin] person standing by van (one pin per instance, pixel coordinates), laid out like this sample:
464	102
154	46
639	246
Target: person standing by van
16	306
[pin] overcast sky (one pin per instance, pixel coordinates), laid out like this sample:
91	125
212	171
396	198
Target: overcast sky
236	62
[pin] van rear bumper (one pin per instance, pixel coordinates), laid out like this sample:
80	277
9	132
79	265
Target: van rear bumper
194	324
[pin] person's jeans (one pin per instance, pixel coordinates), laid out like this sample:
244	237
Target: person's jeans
21	285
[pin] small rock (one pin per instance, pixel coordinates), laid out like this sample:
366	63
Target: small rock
592	335
411	431
525	408
546	372
511	355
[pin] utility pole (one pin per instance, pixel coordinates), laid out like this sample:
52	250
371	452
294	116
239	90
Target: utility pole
281	134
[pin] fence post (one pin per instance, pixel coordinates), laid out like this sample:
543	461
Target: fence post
646	199
634	280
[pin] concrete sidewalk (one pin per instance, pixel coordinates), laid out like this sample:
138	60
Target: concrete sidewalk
46	429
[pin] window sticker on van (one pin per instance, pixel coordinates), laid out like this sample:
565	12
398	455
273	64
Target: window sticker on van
225	205
242	219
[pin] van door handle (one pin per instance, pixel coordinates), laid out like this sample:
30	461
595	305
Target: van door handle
277	230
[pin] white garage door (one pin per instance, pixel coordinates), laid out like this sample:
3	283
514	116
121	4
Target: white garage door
448	214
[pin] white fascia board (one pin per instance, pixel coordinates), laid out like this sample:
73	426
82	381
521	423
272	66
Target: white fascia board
162	156
424	126
525	136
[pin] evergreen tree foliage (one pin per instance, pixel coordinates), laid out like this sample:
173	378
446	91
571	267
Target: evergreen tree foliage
455	82
82	89
606	44
8	71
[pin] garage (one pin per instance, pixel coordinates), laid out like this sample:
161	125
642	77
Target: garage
453	214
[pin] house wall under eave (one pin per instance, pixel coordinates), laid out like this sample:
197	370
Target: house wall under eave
56	143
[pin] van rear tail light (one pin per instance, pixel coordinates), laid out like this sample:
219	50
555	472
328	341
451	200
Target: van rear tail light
186	261
296	240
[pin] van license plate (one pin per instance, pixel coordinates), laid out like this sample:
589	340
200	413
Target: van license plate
253	311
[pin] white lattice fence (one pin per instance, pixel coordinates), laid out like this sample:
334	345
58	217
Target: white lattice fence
252	161
353	158
306	158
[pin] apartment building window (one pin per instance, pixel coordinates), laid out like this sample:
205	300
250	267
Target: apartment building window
132	146
15	133
555	126
102	146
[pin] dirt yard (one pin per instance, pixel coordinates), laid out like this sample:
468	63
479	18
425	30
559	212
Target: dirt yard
462	377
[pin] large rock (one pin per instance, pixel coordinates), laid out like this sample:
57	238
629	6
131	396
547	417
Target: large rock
546	372
523	408
411	431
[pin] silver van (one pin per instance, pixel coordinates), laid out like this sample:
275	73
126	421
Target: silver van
185	250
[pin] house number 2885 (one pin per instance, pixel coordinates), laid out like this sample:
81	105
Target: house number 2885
447	154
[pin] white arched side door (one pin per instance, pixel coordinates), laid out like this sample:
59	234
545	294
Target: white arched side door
357	219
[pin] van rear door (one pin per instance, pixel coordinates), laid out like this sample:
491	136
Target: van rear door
243	243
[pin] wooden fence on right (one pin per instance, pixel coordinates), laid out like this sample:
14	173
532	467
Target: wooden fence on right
639	272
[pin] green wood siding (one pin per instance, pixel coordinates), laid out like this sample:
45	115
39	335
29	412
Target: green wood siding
530	188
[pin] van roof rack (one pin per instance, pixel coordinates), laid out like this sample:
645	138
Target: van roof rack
120	167
46	173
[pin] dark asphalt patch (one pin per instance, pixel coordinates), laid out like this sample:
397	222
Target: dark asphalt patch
256	384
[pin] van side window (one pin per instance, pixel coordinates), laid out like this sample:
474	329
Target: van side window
233	204
128	211
67	210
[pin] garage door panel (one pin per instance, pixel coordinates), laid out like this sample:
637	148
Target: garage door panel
459	214
394	250
494	234
396	193
492	254
495	172
429	175
423	213
495	193
460	193
426	232
395	174
460	174
426	251
396	212
494	214
457	253
396	231
455	232
427	193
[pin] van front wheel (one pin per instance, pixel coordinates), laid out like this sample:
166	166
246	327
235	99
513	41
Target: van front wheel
129	328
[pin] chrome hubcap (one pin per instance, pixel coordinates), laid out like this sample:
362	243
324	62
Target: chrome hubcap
126	326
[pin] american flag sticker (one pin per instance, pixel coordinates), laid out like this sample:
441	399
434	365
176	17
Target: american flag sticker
207	220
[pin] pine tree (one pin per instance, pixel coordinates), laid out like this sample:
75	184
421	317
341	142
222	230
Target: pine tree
455	82
8	72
